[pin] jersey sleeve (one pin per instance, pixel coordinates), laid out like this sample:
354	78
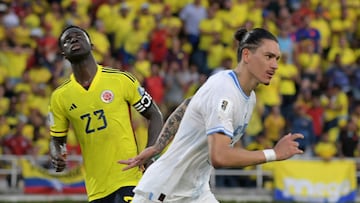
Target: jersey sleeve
218	111
219	116
136	94
57	121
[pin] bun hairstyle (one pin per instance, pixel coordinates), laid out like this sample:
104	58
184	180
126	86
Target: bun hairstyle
251	39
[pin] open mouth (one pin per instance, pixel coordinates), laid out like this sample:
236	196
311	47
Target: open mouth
75	47
270	74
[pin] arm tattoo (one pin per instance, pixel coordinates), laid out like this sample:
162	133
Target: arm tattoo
171	126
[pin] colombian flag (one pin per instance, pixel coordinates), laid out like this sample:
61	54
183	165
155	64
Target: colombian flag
38	180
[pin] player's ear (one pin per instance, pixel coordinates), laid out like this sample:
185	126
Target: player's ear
245	55
63	54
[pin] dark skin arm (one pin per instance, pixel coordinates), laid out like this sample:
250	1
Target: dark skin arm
156	121
58	152
166	136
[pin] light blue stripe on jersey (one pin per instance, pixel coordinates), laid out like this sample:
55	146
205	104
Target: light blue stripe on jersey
219	130
151	195
236	81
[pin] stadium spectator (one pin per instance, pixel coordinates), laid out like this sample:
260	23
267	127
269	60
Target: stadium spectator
304	32
135	40
17	143
155	84
343	50
300	12
122	24
54	19
336	105
38	132
107	12
215	54
355	113
316	112
4	101
287	45
355	80
348	141
240	6
191	15
177	53
302	123
102	46
172	23
225	14
339	73
174	88
309	63
146	19
270	94
210	40
325	148
289	81
256	13
142	65
256	124
157	43
4	127
284	16
196	84
274	125
321	22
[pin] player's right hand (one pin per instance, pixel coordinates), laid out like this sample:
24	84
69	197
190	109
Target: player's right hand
287	146
140	160
59	162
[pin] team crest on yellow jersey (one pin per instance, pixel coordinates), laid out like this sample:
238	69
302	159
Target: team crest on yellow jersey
107	96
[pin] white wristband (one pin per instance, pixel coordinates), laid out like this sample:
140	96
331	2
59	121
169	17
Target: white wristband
270	155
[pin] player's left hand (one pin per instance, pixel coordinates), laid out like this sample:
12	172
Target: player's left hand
287	146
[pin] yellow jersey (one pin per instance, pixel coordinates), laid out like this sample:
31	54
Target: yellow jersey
101	120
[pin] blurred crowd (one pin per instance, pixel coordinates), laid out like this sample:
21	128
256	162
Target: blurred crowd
173	46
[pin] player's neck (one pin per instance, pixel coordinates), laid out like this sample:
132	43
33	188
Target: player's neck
85	73
244	78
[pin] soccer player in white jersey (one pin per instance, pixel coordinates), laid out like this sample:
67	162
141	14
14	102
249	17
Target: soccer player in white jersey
209	131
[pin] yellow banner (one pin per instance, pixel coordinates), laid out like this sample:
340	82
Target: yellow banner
315	181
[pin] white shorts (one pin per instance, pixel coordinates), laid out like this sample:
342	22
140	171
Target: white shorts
207	197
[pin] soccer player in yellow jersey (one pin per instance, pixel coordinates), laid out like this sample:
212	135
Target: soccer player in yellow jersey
96	102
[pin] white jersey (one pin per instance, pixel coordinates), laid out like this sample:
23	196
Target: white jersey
219	106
